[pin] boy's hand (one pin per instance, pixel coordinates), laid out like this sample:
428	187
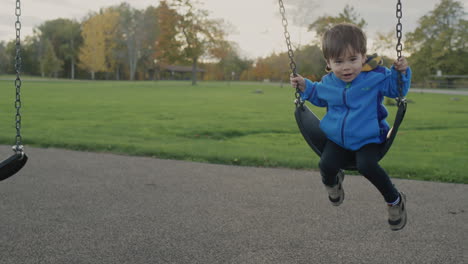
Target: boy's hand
298	82
401	64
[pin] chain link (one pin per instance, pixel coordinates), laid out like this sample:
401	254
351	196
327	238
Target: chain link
399	49
292	63
399	29
18	65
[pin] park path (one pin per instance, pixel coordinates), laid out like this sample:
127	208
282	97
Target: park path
80	207
440	91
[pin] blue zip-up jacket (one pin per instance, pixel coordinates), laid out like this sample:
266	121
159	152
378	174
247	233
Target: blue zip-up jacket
356	114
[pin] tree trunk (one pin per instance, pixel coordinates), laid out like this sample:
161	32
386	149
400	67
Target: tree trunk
132	56
132	67
117	73
194	71
73	68
41	67
72	44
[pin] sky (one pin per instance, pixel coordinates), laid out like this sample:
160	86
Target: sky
257	24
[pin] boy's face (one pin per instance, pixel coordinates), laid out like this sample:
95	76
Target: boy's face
348	66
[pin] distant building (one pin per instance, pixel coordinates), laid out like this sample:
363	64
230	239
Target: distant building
174	72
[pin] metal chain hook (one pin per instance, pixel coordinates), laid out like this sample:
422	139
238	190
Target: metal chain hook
18	148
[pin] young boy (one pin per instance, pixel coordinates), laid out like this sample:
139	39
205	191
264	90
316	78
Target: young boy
355	123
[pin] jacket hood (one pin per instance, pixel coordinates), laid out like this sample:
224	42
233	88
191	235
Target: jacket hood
372	62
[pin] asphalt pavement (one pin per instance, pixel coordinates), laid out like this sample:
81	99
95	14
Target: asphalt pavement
80	207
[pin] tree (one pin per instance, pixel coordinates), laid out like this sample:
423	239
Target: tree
198	33
72	41
31	53
114	48
50	65
8	61
348	15
92	54
133	34
99	34
65	37
167	44
310	61
30	62
439	41
151	32
230	65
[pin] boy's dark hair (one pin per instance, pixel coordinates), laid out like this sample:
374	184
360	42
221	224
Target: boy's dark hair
341	37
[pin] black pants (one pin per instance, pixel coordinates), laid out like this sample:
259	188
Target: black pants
335	157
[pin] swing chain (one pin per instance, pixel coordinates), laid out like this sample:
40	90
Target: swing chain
18	148
399	27
399	47
292	64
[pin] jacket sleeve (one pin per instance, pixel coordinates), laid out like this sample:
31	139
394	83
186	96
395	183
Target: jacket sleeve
310	93
390	87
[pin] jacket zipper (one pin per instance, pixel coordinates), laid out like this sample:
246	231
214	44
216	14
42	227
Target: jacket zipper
347	112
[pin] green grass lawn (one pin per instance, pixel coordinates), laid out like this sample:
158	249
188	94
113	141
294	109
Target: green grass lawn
242	123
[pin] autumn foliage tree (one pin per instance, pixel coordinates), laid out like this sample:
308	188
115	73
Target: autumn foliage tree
197	33
166	49
99	32
92	52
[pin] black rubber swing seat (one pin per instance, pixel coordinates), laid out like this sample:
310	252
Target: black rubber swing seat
309	125
12	165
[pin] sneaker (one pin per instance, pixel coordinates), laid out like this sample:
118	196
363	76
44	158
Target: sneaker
397	214
336	193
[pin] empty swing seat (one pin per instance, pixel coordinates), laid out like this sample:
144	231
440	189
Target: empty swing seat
12	165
